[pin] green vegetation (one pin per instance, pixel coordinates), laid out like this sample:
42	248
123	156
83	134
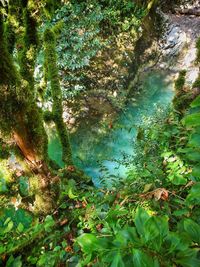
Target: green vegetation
179	83
57	110
183	96
198	50
54	216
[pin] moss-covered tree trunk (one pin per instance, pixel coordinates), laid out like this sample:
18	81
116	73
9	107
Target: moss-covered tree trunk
57	110
20	116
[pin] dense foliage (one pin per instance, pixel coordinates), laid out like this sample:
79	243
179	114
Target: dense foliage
52	216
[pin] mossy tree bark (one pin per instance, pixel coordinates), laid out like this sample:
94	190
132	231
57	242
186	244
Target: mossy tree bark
20	115
57	109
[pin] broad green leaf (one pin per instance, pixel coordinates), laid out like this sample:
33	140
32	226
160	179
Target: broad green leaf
20	227
172	242
88	243
141	259
187	258
155	230
125	236
117	261
188	262
141	217
14	262
3	186
178	179
194	140
196	102
9	227
181	212
193	229
17	216
196	172
194	196
192	120
70	189
192	154
23	186
49	223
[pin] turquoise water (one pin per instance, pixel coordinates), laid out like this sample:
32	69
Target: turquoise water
108	156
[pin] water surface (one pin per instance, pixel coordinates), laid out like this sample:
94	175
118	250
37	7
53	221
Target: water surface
108	157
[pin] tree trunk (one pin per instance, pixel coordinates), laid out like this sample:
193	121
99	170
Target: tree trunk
21	118
57	109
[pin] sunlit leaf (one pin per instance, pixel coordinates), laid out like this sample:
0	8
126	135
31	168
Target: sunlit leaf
195	102
88	242
192	120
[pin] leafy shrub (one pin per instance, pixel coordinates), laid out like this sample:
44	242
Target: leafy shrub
148	243
179	83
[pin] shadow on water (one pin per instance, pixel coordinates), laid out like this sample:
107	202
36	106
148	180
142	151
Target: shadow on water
108	156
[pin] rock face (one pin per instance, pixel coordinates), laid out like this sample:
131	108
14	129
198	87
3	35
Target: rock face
178	45
174	41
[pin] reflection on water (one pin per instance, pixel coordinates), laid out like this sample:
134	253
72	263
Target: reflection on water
108	157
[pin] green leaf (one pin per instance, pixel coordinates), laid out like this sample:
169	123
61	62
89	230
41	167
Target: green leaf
196	172
181	212
192	120
23	186
140	218
9	227
117	261
3	186
172	241
187	258
14	262
178	179
194	155
194	140
141	259
20	227
194	196
193	229
155	230
125	236
70	189
88	243
196	102
49	223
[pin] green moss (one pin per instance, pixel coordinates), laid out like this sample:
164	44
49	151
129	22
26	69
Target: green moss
182	100
179	83
198	50
12	23
197	82
18	109
4	150
12	99
27	56
53	77
8	73
48	116
51	6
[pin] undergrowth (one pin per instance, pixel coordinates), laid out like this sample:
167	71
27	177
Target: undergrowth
151	219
